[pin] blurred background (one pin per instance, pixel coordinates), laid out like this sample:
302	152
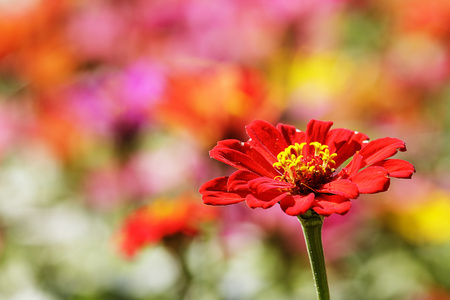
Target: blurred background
108	109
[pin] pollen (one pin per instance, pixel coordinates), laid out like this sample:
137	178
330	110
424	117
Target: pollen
306	172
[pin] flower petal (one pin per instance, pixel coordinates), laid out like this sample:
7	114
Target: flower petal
342	187
352	168
380	149
397	168
371	180
291	134
326	205
297	205
264	185
238	181
344	143
254	202
267	137
316	131
242	156
215	192
265	192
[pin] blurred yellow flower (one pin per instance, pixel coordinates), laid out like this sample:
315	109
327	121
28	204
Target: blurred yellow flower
425	222
321	75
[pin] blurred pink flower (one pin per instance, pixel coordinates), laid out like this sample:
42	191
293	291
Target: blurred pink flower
122	100
142	176
15	126
94	29
419	62
173	164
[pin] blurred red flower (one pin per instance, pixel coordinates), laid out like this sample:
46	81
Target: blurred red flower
25	22
298	169
161	219
240	94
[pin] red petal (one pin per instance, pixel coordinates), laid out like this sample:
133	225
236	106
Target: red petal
326	205
254	202
371	180
291	134
214	192
265	192
344	143
397	168
238	181
242	156
267	137
297	205
380	149
343	187
316	131
352	168
264	185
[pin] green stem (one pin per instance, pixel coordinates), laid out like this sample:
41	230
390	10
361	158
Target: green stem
312	229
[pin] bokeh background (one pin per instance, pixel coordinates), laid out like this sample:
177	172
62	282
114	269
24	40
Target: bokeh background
108	109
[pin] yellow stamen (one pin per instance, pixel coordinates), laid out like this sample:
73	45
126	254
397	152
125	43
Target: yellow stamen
303	171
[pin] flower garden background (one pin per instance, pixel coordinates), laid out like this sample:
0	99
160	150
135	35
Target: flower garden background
108	109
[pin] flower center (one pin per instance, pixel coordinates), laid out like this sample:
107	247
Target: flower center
309	172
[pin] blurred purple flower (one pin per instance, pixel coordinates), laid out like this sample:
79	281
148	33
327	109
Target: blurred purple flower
106	102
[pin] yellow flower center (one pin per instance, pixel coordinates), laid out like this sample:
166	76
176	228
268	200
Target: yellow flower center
161	209
306	172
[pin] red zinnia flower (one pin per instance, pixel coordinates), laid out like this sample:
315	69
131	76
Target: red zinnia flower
298	169
161	219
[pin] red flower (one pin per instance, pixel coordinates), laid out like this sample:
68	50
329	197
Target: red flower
160	219
298	169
